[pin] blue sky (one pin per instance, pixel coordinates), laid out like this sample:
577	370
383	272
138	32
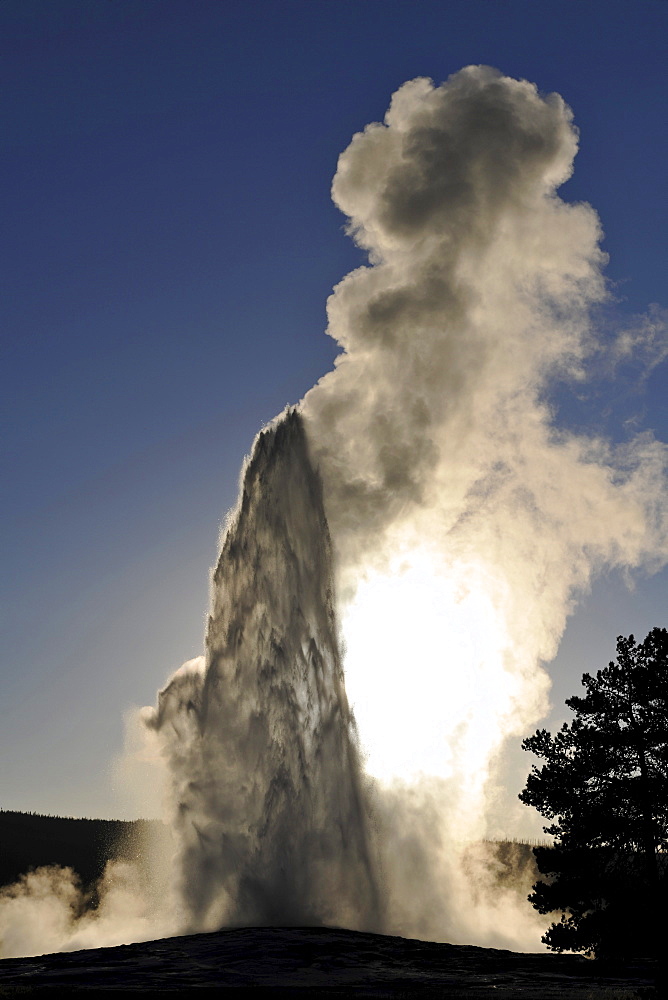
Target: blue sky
170	243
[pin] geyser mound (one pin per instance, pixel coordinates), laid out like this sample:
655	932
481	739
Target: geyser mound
258	737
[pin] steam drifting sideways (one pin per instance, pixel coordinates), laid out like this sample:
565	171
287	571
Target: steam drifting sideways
464	525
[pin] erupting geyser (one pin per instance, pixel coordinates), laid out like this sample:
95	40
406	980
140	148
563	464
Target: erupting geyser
465	524
260	741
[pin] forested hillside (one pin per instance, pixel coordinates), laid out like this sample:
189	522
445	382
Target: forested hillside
28	840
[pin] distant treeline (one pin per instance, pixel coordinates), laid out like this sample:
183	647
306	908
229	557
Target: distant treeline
29	840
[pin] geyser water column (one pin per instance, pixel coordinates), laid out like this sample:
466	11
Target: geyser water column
258	737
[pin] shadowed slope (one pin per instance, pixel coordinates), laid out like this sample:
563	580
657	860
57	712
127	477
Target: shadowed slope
325	962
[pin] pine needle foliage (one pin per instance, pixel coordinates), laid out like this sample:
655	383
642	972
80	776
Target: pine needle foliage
604	787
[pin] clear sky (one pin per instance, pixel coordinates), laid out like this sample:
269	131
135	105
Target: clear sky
169	246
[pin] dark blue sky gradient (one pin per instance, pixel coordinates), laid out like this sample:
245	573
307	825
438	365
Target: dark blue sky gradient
169	247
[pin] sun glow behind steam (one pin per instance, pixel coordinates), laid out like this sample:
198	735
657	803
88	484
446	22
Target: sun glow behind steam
467	521
428	670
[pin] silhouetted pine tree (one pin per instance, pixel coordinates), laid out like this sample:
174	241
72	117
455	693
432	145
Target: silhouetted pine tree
604	784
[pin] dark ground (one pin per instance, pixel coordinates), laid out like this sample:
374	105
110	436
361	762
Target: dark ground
289	962
322	962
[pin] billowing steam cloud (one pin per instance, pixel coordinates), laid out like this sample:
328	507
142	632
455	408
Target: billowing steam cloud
464	525
477	297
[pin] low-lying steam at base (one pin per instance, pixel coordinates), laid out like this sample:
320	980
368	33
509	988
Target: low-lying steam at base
419	520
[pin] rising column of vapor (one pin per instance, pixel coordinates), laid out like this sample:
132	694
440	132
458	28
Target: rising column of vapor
266	796
466	523
266	809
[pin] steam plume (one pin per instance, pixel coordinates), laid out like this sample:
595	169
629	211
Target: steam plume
454	501
477	298
466	522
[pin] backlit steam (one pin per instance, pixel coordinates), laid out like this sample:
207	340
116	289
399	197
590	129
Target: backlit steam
465	522
464	525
